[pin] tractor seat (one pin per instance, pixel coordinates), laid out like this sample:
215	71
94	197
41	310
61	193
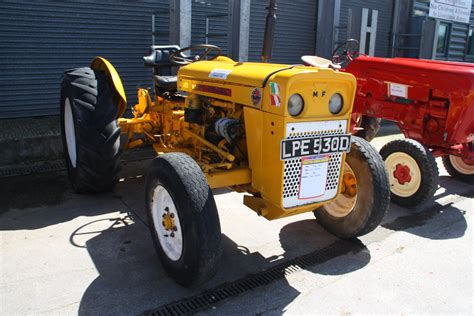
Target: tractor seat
166	82
319	62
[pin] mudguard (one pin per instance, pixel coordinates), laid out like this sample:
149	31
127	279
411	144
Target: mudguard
100	63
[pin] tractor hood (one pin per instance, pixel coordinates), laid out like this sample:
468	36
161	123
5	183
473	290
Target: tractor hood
224	70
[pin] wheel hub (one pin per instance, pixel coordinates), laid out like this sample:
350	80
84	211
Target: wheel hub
402	173
168	222
462	165
346	201
349	185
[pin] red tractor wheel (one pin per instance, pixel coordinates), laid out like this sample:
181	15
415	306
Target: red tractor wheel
412	171
459	168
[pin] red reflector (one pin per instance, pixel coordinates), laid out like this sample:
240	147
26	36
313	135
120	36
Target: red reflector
214	90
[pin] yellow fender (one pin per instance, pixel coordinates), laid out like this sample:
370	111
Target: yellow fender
100	63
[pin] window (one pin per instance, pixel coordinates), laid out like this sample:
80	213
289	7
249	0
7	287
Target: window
443	34
470	42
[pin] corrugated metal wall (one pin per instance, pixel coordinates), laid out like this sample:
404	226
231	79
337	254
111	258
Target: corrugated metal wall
295	33
458	38
218	13
384	22
39	39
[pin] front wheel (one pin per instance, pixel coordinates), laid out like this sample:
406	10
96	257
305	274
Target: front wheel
412	170
459	168
364	197
183	219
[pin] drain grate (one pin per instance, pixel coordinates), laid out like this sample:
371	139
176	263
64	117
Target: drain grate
210	297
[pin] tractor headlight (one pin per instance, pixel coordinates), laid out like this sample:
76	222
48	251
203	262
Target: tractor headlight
335	103
295	104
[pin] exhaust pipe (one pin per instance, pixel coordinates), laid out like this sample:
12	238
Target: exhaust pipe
269	31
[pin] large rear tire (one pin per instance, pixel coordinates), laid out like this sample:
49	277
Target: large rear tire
364	197
90	134
458	168
412	171
183	218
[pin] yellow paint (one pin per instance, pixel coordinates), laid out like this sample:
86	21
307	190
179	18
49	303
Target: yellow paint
221	178
168	222
257	167
100	63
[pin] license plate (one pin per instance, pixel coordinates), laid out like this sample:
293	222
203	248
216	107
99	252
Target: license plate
299	147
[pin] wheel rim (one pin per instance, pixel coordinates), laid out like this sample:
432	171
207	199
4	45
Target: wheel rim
404	174
70	132
461	166
167	223
346	201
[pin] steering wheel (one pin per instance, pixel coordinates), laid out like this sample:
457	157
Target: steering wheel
178	58
345	52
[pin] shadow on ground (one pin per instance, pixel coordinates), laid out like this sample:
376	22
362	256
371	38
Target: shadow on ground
430	218
132	280
37	201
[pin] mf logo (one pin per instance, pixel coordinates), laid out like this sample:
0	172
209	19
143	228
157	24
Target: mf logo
317	93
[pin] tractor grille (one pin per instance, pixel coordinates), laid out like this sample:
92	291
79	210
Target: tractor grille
292	167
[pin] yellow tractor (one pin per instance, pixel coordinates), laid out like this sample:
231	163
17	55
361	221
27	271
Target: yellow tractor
278	132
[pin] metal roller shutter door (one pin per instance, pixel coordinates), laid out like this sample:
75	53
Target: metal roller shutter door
384	22
295	33
217	11
38	40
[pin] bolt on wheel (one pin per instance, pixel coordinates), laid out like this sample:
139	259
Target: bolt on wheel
343	205
403	173
459	168
166	220
364	197
182	217
412	171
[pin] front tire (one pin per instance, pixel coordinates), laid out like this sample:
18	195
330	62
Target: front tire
364	197
183	218
412	171
458	168
90	133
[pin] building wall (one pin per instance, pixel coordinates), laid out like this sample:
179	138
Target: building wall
39	39
217	13
384	22
458	34
295	33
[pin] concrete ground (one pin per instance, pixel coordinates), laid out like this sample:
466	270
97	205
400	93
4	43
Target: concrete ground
63	253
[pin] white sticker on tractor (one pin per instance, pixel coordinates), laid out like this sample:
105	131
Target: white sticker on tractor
313	177
219	73
397	90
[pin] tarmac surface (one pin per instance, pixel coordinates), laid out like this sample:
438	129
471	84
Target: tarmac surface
64	253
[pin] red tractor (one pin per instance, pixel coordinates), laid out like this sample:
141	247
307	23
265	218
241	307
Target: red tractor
432	102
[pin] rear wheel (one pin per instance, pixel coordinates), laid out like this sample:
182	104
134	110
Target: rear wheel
412	171
364	197
91	136
183	218
459	168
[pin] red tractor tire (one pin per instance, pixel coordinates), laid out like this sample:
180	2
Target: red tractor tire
412	170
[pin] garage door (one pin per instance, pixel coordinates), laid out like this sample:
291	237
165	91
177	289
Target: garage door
38	40
384	22
210	20
295	33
